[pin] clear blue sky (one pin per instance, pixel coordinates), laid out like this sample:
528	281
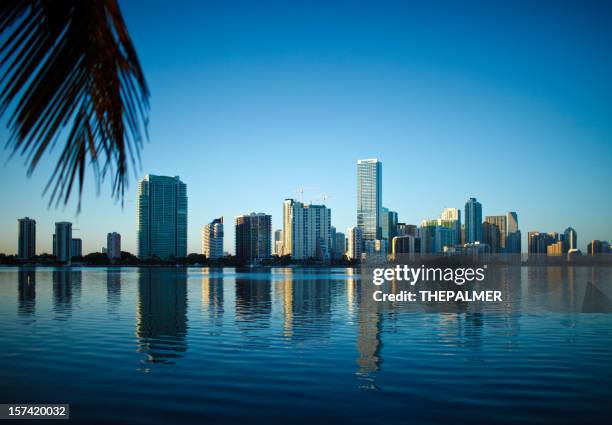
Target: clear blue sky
508	102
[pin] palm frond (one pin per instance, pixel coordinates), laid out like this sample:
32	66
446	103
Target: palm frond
70	72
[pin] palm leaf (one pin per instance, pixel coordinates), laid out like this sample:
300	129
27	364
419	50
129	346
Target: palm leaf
70	73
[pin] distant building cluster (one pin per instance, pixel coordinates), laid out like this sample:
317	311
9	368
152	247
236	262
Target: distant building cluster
65	248
307	233
381	232
557	244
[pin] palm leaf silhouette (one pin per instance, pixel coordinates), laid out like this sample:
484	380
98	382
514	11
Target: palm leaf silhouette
70	72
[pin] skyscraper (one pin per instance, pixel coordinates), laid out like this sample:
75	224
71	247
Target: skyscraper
339	245
278	242
452	215
473	221
332	240
436	235
501	222
306	231
113	246
26	243
253	237
62	241
537	242
570	239
369	198
426	234
355	243
513	235
161	217
76	247
491	235
389	224
512	222
596	247
212	239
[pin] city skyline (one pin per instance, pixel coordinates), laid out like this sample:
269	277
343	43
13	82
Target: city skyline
256	96
307	230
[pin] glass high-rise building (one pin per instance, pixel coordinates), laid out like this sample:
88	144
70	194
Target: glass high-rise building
62	241
501	221
492	235
513	235
389	225
339	245
570	239
161	217
76	247
538	242
369	198
451	217
253	237
26	244
473	221
512	222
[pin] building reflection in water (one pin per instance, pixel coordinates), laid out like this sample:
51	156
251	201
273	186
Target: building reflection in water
351	290
113	289
369	341
253	301
212	295
570	289
161	314
26	292
286	290
307	306
598	293
66	290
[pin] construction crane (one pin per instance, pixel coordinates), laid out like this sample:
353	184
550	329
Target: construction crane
323	198
301	190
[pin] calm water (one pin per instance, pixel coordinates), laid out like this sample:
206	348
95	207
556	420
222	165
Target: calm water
293	346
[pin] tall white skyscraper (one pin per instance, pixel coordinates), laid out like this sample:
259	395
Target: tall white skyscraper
161	217
369	198
355	243
62	241
113	246
212	239
339	245
306	231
